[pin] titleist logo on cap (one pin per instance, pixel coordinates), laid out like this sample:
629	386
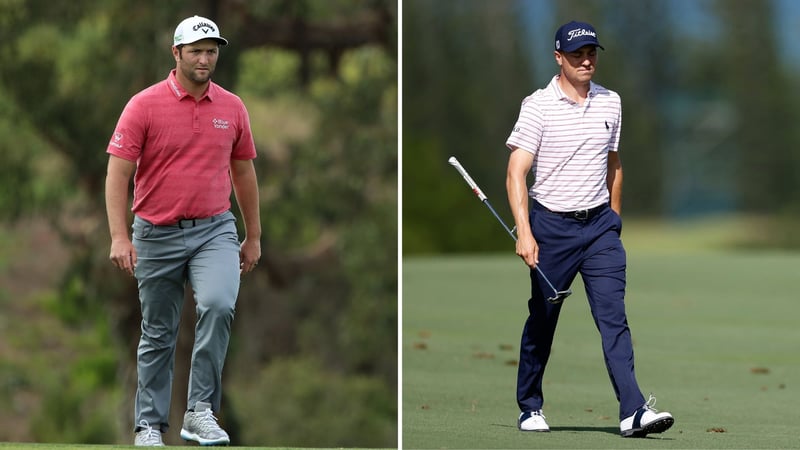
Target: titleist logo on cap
580	32
574	35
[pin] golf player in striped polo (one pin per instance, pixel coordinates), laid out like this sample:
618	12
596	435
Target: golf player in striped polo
567	135
188	142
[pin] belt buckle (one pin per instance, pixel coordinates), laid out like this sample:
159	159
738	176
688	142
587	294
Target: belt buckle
581	214
192	221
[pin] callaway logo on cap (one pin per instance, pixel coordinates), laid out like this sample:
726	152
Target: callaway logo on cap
196	28
574	35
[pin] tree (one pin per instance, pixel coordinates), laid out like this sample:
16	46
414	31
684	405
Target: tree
463	83
324	298
766	172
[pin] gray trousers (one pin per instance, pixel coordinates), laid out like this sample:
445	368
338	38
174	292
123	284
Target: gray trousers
206	254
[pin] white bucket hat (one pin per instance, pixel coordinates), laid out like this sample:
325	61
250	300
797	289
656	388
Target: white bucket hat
196	28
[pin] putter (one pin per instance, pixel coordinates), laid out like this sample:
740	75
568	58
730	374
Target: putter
559	295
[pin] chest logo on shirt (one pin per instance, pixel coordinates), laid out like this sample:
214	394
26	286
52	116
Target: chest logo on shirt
221	124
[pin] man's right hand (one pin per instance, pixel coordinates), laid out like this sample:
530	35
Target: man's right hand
528	250
519	165
123	255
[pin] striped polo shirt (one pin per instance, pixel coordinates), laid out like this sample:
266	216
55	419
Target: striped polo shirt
570	145
183	149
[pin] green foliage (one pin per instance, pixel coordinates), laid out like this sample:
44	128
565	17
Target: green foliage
70	371
311	9
358	180
434	193
699	137
29	173
76	414
349	161
463	83
328	172
267	72
352	411
369	326
75	407
331	171
11	12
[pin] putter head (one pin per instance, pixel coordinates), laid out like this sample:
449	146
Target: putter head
559	297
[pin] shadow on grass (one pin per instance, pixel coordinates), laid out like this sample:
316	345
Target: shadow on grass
609	430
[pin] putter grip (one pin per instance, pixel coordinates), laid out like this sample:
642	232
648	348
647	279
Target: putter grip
454	162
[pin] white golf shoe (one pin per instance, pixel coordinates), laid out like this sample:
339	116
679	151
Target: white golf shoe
201	426
646	420
147	436
532	421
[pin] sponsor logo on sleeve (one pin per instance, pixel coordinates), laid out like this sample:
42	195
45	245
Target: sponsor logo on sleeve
116	141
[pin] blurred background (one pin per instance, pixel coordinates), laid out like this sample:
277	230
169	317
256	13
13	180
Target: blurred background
709	112
313	360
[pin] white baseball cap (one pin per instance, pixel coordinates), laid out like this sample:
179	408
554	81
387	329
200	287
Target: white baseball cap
196	28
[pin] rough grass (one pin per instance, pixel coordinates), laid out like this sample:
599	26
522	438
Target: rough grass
714	332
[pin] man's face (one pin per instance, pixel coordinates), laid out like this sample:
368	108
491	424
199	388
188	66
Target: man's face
197	61
579	65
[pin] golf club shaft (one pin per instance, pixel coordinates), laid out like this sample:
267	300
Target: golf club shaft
472	184
489	205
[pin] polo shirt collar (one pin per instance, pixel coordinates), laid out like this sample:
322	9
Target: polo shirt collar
180	92
559	93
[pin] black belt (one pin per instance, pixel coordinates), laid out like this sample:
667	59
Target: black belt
190	223
580	214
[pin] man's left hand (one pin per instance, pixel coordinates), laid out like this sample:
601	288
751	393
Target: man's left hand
249	255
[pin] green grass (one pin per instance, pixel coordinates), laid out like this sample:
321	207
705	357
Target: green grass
31	446
715	335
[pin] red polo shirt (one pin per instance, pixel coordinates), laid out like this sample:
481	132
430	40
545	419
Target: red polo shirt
183	149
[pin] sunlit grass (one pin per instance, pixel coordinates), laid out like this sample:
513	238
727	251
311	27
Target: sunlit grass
714	329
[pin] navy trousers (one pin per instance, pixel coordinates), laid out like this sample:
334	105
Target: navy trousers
567	247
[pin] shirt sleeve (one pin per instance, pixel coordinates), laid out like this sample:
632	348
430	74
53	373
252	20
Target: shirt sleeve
613	146
244	148
527	132
129	134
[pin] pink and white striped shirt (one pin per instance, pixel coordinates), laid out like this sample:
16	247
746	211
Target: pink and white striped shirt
570	145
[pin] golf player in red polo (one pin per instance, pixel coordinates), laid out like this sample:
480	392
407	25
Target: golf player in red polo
188	142
567	136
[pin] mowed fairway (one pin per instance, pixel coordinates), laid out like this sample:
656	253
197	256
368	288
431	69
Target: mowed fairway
715	335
